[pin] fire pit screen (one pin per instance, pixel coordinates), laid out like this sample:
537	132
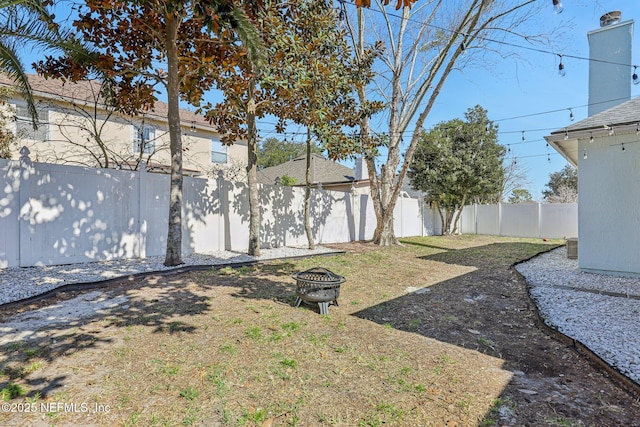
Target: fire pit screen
318	285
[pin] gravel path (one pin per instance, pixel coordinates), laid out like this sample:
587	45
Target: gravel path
21	283
600	311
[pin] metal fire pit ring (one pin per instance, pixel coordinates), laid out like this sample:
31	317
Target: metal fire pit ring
318	285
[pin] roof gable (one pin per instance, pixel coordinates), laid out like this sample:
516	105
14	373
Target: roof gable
322	170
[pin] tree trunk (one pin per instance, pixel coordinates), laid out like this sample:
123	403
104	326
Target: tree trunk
174	235
456	216
448	215
384	234
442	221
252	174
307	194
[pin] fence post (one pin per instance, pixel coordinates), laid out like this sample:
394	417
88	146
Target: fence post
142	210
222	229
25	253
539	220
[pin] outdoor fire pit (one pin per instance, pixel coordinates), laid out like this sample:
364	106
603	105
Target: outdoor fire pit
318	285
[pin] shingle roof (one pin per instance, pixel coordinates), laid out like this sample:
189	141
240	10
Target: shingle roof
623	118
87	91
626	113
322	170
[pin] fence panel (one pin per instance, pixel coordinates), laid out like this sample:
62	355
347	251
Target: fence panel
519	220
71	216
553	220
488	219
468	220
9	213
57	214
559	220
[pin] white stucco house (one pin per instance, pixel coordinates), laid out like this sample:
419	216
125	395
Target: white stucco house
606	150
605	147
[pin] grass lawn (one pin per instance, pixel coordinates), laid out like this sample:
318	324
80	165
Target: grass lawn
227	348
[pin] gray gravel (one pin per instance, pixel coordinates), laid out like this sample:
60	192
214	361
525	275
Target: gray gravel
600	311
21	283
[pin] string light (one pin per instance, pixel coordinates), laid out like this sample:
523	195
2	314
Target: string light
638	129
611	131
561	69
566	135
623	146
571	117
548	158
523	137
557	6
584	155
591	138
635	78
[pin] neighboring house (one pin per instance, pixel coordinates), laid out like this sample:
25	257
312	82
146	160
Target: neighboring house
605	147
326	173
78	128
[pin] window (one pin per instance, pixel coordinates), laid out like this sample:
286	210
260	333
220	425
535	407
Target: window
24	123
143	140
218	152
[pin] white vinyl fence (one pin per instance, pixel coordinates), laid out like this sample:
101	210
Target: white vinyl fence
57	214
552	220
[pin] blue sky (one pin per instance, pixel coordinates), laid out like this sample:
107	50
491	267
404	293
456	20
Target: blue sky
529	87
516	89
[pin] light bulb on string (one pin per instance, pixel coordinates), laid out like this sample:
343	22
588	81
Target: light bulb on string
523	137
557	6
561	69
548	158
638	129
591	138
571	117
584	155
635	79
611	131
566	135
623	146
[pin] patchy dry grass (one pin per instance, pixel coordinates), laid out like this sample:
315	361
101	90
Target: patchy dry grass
228	348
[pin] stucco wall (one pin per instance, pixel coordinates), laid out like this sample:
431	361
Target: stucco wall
609	198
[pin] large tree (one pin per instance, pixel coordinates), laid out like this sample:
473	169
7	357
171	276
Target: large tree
456	161
309	80
424	45
562	186
174	46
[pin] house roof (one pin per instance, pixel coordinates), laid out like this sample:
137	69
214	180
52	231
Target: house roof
87	91
622	119
322	170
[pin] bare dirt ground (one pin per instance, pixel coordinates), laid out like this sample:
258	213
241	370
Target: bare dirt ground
438	332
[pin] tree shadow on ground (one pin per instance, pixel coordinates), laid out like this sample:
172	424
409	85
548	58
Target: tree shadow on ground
489	310
78	321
